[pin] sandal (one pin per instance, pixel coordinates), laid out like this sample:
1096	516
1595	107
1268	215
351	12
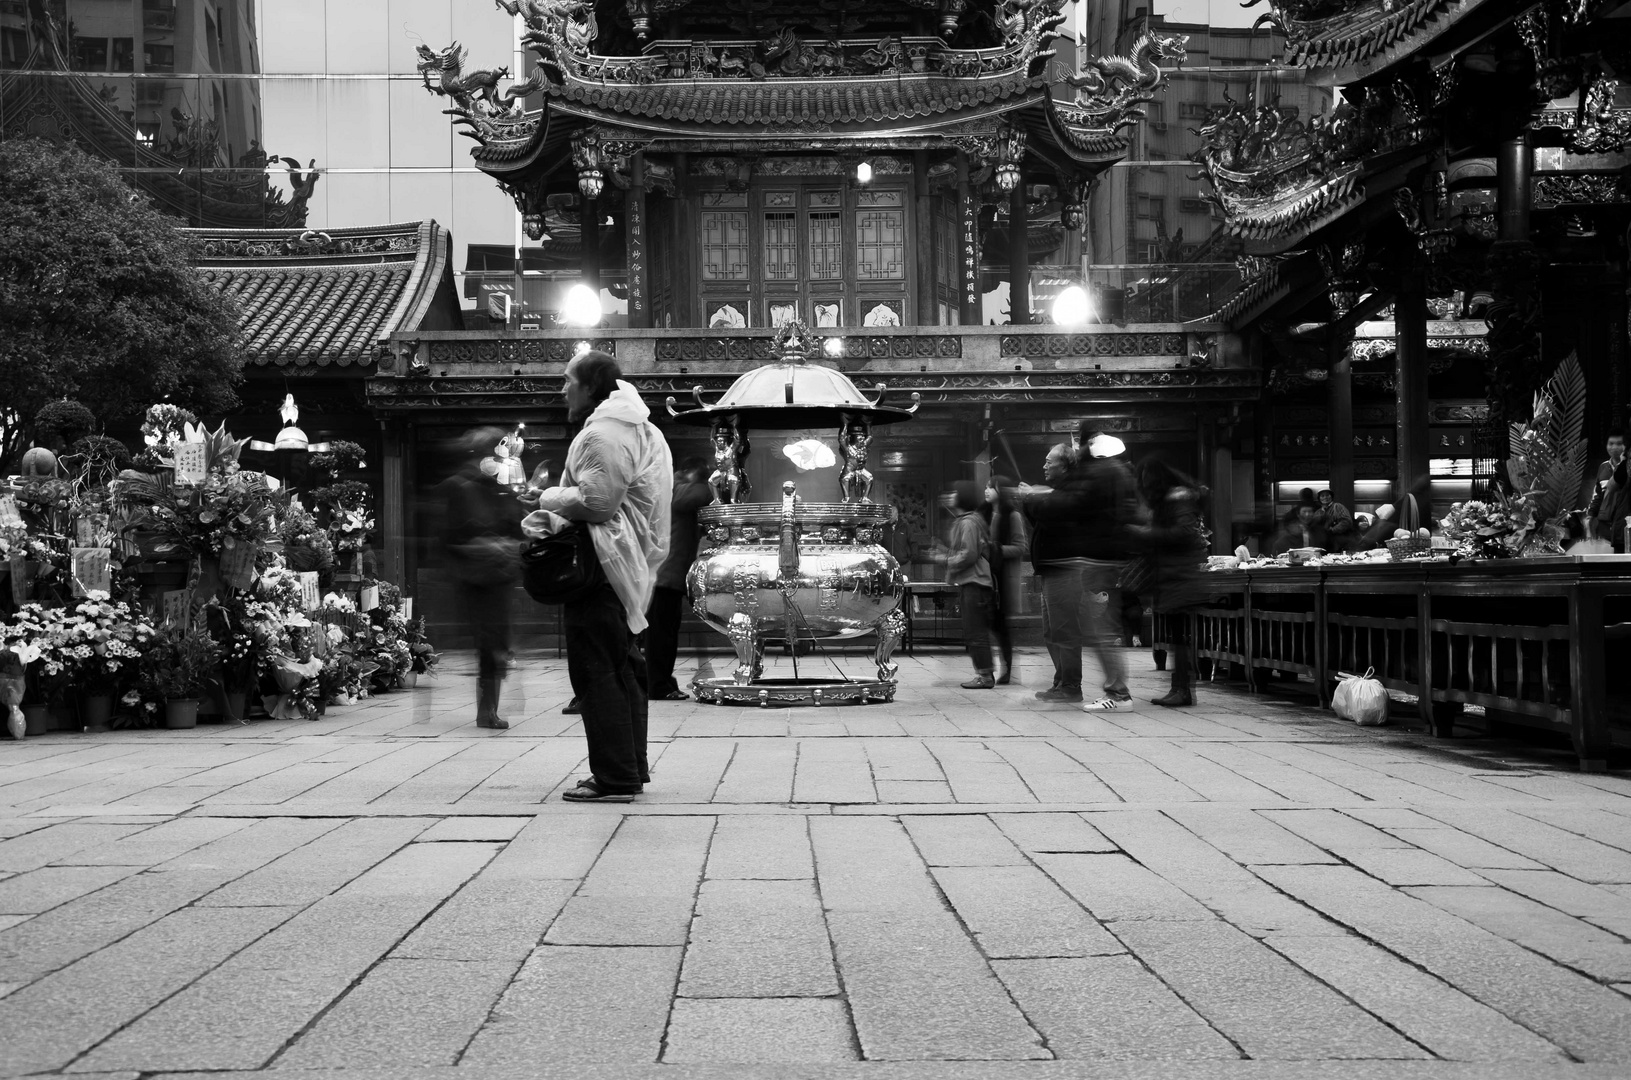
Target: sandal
590	791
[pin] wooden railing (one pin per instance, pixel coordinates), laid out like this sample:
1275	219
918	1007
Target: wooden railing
1529	641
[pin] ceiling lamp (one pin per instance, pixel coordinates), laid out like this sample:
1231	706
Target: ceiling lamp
863	173
1072	307
582	306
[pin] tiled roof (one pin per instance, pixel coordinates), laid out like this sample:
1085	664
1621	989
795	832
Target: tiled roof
794	103
325	299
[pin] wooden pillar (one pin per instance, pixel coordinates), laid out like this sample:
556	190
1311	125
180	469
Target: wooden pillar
1410	382
1340	391
968	242
634	234
394	514
1512	167
1019	252
589	233
928	307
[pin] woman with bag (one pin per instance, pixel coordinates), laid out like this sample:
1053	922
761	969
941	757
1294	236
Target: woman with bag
482	538
1174	544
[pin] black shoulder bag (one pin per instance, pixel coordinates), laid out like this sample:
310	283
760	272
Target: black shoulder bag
562	567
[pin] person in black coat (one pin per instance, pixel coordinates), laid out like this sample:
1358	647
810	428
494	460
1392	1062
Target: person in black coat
1175	544
482	539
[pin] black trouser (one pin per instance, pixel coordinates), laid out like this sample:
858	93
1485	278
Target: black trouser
1181	636
975	600
607	673
1000	601
663	640
487	611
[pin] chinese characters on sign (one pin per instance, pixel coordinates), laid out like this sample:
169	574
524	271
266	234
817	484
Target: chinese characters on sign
970	245
636	226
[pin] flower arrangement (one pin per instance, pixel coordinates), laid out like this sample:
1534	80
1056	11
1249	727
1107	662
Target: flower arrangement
306	545
1526	515
164	426
182	661
230	507
107	642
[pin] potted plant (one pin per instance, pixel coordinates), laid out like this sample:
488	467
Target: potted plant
107	640
182	662
14	661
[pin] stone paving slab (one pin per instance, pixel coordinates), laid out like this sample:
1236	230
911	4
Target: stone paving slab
956	885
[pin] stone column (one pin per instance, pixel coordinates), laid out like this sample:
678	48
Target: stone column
589	250
395	503
1410	381
1340	398
1512	168
1019	251
928	307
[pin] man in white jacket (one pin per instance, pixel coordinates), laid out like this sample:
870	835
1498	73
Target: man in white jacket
619	477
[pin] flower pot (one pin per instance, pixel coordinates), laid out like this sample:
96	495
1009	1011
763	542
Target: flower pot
61	718
237	707
411	679
181	714
96	713
37	719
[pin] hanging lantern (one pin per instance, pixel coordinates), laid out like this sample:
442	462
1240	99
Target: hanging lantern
587	156
1010	151
1070	216
533	226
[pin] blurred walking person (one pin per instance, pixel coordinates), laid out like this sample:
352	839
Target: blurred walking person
1056	513
1110	502
968	568
691	494
1175	544
1007	554
619	477
482	537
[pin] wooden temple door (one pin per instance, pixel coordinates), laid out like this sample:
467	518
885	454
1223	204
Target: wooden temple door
831	255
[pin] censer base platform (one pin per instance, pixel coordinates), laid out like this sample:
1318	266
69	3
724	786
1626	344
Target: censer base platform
792	693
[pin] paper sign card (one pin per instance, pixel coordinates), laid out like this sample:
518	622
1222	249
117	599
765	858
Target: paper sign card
407	607
192	463
310	598
177	605
10	516
369	600
319	640
238	565
93	570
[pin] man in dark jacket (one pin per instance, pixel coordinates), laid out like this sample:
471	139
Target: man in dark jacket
1078	544
668	598
1610	500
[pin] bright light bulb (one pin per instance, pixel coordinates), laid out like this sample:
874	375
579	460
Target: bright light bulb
580	348
833	346
582	306
863	172
1071	306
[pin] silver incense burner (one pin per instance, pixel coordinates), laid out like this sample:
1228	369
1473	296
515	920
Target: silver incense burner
797	570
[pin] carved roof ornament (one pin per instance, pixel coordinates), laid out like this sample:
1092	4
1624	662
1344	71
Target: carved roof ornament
1111	92
476	99
1279	177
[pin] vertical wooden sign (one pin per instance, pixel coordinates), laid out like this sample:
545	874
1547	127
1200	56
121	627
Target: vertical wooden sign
635	234
969	245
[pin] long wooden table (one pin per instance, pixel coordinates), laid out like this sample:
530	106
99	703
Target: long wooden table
1532	641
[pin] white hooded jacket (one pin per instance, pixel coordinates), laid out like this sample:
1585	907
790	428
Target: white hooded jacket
619	477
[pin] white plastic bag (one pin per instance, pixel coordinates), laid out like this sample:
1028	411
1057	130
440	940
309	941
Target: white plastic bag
1361	698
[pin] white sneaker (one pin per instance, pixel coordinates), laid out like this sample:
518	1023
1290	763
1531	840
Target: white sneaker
1106	704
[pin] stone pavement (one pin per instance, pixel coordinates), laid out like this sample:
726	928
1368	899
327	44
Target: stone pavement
963	884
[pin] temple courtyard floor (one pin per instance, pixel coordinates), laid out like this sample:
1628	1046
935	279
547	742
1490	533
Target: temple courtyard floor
961	884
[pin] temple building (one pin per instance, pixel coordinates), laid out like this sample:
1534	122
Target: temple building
1421	256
